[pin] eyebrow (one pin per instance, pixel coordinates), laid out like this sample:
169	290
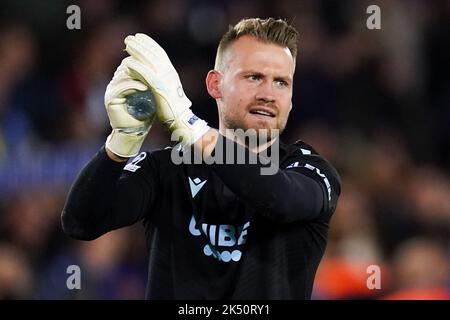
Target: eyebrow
258	73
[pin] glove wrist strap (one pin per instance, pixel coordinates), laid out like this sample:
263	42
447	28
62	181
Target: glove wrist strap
125	145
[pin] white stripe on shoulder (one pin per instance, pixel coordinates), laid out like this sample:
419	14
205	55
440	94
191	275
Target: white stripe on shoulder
305	151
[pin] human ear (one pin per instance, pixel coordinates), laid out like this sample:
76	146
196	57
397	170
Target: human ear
213	79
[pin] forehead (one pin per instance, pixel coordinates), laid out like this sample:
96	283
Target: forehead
249	52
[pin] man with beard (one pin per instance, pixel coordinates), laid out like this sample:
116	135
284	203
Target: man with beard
218	228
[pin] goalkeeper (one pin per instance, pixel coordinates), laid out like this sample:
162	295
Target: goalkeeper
215	230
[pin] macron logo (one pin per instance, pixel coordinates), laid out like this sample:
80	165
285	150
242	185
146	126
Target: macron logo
196	185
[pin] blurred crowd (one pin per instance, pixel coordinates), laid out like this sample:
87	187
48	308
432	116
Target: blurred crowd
376	103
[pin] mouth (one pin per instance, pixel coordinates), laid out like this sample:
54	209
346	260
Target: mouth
263	112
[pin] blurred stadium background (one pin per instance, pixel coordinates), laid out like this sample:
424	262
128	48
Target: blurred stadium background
376	103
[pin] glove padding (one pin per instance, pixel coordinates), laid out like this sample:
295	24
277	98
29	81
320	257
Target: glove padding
152	66
128	133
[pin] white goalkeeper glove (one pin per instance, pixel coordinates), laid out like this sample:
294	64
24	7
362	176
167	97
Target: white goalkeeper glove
152	66
128	132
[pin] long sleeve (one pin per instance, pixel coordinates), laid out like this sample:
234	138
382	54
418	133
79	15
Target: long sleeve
304	187
102	199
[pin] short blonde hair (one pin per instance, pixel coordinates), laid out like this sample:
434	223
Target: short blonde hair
269	30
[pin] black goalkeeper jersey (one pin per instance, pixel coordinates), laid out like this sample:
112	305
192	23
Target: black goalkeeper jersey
219	231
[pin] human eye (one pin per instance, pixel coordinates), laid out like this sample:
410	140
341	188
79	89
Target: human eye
281	83
254	77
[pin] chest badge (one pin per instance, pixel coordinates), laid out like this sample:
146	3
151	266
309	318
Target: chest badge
196	185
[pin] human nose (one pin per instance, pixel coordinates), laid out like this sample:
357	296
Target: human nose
265	92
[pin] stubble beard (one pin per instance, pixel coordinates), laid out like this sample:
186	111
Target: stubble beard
262	135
